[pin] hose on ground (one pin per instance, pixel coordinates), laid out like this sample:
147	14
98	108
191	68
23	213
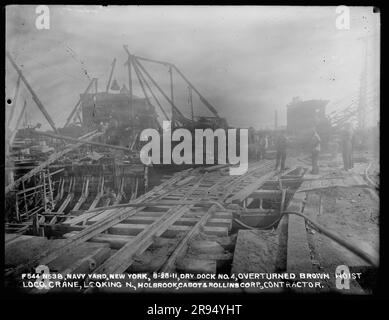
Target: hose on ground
332	235
368	178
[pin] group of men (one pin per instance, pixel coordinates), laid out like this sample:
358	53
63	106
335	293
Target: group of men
282	142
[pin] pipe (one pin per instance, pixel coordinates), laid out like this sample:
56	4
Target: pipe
335	237
367	176
332	235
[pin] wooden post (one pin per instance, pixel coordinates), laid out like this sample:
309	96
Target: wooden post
24	197
146	178
17	209
320	203
51	191
35	225
135	191
41	231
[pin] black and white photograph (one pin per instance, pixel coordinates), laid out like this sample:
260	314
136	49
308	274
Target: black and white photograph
192	149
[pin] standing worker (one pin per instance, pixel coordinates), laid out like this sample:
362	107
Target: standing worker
347	147
281	144
315	151
263	145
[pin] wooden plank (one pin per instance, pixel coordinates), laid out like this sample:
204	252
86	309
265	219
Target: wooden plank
123	229
244	193
114	241
217	222
182	247
95	229
298	252
65	203
138	220
144	213
266	194
186	180
98	216
215	168
299	259
332	186
223	215
329	254
217	231
83	217
123	258
81	260
135	229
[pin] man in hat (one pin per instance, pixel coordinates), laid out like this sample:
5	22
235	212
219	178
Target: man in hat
315	149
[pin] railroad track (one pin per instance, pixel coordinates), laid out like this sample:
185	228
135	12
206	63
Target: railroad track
192	202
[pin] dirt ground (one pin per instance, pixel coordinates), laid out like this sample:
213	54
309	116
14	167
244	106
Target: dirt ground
353	213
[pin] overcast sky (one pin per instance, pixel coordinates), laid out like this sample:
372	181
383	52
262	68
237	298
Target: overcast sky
247	61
